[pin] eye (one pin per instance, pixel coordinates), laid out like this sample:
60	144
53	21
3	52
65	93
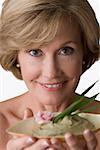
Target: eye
66	51
35	52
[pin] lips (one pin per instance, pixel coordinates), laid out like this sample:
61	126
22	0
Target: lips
52	86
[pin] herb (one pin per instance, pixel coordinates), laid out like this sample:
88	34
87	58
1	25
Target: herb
79	103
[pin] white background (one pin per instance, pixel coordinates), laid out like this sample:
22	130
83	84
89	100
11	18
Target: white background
10	86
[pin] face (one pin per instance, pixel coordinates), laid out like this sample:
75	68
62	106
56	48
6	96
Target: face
52	71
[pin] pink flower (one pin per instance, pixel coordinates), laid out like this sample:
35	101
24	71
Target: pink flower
43	117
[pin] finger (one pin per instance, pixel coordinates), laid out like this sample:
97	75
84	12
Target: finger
90	139
57	144
19	143
73	142
27	113
41	144
51	149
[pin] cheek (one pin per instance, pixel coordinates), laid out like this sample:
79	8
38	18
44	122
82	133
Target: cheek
30	70
73	67
76	68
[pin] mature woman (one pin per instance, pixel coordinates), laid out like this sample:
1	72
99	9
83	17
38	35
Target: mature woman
48	44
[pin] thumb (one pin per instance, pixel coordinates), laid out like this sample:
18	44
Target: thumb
27	113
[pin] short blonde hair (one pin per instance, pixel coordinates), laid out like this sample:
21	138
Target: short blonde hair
24	23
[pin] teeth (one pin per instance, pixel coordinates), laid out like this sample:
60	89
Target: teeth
53	86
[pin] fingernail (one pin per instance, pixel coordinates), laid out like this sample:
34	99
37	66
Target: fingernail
87	131
68	136
46	144
53	141
29	141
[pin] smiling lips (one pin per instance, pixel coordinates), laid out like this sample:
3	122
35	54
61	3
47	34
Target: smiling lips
52	87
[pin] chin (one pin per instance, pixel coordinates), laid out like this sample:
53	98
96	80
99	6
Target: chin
52	101
49	102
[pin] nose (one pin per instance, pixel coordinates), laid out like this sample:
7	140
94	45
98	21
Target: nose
51	68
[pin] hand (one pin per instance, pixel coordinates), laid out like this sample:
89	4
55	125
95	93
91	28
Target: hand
26	142
72	142
89	142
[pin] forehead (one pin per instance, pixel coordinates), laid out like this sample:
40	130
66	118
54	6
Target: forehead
68	32
69	29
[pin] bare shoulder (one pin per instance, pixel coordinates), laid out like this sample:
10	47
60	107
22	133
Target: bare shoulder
94	107
98	137
4	109
6	106
3	126
3	122
11	107
8	116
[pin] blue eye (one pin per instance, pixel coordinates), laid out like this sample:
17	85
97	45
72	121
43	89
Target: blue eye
35	52
66	51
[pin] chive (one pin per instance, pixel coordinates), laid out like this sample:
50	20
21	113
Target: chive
88	88
80	103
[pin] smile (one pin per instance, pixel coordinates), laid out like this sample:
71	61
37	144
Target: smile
52	87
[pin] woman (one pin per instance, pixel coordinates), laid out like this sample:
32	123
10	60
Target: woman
48	44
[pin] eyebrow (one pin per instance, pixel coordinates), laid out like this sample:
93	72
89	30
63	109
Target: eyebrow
62	45
68	42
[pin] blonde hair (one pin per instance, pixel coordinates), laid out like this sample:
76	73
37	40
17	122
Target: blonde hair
24	23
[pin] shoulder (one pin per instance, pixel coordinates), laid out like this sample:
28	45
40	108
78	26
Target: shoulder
7	107
13	108
3	126
3	122
98	137
12	103
8	111
93	106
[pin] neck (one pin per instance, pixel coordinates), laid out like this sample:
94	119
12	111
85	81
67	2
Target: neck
35	106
